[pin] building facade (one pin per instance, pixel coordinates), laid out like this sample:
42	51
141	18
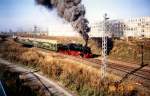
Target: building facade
114	28
137	27
133	27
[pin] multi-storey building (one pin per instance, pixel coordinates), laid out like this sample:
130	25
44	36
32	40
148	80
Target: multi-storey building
137	27
133	27
96	30
114	28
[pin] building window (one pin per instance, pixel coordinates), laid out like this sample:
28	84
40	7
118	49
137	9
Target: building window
139	24
147	24
143	26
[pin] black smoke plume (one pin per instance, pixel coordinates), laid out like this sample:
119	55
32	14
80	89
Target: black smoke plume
72	11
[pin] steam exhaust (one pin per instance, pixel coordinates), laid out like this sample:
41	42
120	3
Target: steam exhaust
72	11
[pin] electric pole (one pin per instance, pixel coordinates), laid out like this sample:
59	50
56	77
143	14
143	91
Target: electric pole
142	50
104	47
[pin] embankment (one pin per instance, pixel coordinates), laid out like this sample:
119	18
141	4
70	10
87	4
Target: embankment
79	77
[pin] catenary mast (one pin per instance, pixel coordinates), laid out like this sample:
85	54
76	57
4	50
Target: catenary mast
104	47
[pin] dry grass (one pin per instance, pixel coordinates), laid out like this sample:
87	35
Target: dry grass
77	76
122	50
130	52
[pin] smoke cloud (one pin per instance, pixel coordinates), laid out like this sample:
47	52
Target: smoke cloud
72	11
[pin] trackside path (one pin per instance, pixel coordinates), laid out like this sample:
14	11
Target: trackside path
53	87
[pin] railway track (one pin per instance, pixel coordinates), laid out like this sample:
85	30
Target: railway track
114	68
118	67
141	76
144	73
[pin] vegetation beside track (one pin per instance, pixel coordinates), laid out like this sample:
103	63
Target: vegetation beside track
131	51
15	86
83	79
122	50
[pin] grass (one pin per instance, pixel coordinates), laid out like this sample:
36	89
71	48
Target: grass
122	50
81	78
130	52
11	79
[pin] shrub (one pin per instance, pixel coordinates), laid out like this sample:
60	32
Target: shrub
82	78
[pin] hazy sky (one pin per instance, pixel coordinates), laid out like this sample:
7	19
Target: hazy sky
24	14
117	8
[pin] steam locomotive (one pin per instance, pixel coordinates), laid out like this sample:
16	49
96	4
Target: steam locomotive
54	45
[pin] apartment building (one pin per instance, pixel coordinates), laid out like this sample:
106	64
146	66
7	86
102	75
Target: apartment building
137	27
114	28
133	27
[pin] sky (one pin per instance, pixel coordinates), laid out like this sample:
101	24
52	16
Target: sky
116	9
24	14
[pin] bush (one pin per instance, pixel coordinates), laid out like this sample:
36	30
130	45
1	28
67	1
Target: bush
82	78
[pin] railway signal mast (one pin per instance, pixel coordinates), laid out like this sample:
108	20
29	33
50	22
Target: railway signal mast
104	47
